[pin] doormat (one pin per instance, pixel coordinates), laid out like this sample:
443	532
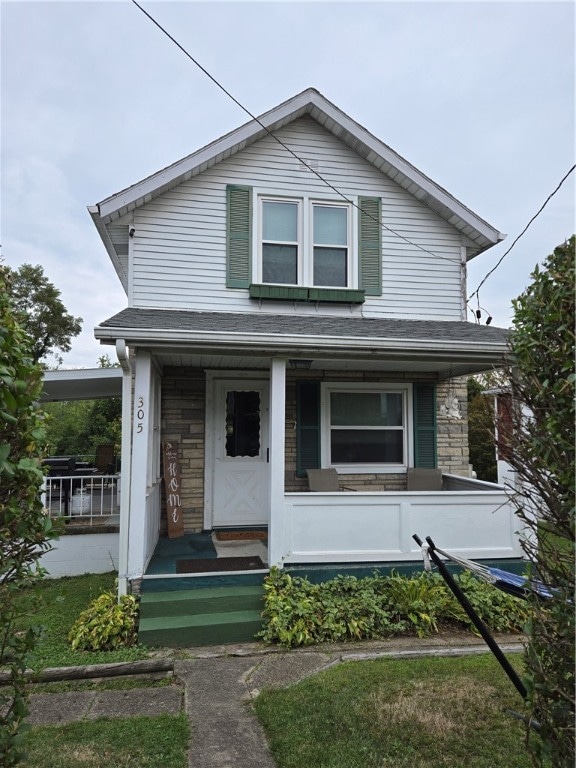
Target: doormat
213	564
240	535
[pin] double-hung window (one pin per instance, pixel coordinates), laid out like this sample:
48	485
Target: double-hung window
366	427
305	242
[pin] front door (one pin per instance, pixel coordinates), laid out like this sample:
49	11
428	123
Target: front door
241	476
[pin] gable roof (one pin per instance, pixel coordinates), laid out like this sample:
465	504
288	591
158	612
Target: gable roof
313	104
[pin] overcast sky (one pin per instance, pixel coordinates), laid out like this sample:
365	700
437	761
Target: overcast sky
477	95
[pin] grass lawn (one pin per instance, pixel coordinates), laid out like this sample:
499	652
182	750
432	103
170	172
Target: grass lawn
135	742
61	602
417	713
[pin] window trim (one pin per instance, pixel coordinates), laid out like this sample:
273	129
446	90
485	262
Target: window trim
305	261
406	390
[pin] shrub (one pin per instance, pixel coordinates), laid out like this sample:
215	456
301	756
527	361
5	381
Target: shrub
106	624
25	531
298	613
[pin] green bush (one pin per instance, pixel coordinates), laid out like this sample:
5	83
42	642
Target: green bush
298	612
107	624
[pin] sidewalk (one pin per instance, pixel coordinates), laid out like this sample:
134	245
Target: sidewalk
220	681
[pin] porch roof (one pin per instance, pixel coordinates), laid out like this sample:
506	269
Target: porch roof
460	347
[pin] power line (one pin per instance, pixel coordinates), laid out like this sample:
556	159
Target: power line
501	259
285	146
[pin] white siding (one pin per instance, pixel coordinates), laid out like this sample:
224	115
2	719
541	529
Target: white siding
179	256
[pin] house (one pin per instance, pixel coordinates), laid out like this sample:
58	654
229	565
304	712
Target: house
296	299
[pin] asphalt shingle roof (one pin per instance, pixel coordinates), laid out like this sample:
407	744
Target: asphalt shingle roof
304	325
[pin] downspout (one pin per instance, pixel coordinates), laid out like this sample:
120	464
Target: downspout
125	475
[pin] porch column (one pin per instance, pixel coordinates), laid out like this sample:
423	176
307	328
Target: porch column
277	461
141	415
125	453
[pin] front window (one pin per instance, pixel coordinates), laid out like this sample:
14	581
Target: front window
305	243
366	429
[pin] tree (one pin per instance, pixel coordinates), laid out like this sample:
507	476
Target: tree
541	450
39	310
481	431
25	531
78	427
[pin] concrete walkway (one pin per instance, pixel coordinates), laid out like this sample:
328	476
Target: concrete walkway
219	682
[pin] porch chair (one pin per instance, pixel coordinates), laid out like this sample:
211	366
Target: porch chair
105	459
421	479
325	480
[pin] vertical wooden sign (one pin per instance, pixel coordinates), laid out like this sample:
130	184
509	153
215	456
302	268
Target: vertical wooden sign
172	483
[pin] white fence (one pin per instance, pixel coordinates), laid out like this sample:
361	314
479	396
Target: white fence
83	496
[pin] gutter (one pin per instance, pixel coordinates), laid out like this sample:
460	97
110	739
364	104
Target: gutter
266	343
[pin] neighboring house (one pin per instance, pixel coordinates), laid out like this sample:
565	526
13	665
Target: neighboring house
291	306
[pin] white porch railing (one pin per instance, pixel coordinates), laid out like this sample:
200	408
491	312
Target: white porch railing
378	526
88	497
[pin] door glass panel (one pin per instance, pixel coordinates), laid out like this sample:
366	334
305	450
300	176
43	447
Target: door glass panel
242	424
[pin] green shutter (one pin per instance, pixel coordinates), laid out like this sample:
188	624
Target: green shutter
307	426
370	245
425	425
238	236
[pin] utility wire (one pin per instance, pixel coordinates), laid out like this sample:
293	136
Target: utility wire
501	259
287	148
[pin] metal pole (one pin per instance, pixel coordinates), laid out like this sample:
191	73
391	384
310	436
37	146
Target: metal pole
474	618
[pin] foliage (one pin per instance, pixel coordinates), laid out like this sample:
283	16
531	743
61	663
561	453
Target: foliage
39	310
542	452
78	427
131	742
299	613
24	529
107	624
60	602
499	611
481	431
406	713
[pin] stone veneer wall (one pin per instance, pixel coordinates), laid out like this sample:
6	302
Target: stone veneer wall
183	409
453	454
183	412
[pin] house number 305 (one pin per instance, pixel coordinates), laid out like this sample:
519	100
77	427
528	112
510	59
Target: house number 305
140	415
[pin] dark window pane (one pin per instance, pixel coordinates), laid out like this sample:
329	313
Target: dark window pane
366	409
330	267
367	446
279	264
242	424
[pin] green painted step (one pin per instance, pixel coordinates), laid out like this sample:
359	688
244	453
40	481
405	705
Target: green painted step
200	629
202	601
209	616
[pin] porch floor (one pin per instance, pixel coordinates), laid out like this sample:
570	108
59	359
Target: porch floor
196	546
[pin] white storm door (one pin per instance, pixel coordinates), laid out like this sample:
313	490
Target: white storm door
241	469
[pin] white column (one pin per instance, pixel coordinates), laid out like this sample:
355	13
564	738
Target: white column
125	468
141	415
277	461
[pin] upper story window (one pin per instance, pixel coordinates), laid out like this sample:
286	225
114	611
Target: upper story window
303	247
305	242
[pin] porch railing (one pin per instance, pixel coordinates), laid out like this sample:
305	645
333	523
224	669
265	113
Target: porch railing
89	497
